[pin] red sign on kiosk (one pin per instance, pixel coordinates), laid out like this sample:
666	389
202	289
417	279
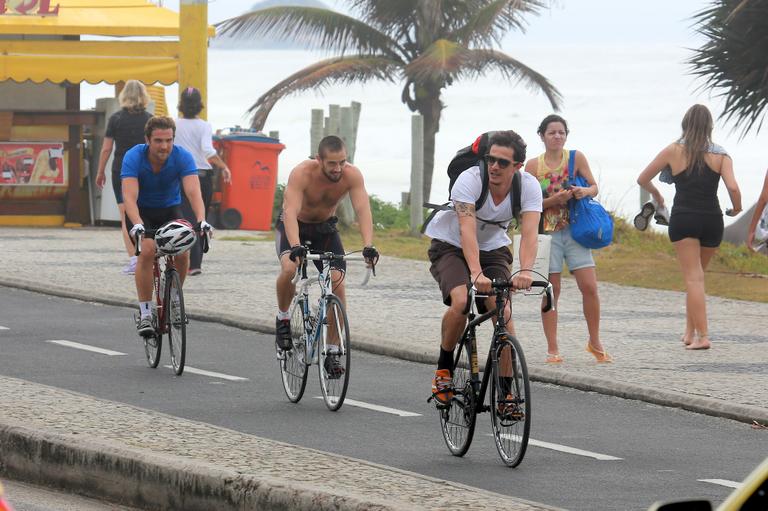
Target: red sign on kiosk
28	7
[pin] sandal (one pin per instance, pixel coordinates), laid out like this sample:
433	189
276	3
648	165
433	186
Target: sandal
602	356
554	358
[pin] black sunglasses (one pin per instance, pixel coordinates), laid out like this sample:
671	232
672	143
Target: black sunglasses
502	162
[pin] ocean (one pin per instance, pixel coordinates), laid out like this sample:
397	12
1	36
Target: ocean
623	105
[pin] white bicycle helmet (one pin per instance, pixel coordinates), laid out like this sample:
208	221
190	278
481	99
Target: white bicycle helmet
175	237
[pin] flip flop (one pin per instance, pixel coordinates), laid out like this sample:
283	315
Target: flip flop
554	358
602	356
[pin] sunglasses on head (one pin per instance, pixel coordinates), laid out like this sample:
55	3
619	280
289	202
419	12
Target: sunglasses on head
502	162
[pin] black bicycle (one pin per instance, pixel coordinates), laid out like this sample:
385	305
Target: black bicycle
505	372
168	314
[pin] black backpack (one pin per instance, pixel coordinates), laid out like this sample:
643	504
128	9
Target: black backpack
466	158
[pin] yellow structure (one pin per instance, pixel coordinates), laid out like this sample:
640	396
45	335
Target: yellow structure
40	40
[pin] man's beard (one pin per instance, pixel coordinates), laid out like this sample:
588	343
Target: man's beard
332	178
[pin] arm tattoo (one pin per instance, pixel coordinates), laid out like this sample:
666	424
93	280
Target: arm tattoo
464	208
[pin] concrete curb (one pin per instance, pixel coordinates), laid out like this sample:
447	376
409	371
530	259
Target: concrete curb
150	481
698	404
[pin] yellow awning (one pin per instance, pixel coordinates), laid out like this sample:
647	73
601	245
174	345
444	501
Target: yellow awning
97	17
38	59
89	61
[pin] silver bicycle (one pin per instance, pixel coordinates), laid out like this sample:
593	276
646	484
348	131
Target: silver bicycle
319	334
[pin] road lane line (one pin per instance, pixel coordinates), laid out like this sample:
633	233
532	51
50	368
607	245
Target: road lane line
85	347
564	448
4	328
721	482
377	408
203	372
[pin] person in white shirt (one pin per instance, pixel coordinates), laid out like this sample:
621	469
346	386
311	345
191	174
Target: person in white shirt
196	136
471	247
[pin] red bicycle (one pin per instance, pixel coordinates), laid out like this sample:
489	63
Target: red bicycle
168	316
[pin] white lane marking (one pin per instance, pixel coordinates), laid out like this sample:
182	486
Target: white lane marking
721	482
85	347
203	372
4	328
564	448
377	408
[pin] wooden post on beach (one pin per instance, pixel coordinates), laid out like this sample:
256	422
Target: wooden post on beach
417	173
342	122
315	130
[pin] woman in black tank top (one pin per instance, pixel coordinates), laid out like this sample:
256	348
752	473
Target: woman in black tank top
696	222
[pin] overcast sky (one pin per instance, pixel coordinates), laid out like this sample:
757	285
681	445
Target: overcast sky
586	21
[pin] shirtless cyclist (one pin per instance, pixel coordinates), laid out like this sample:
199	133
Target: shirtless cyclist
315	188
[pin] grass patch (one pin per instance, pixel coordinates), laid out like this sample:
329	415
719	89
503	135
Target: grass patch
244	238
636	258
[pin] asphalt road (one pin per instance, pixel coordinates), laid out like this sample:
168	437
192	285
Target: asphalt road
628	453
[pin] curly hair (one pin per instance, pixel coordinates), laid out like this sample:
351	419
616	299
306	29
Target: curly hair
159	123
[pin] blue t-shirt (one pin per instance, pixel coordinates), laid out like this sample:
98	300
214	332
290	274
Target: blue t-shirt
161	190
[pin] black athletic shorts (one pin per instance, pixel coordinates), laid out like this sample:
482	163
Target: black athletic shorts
154	218
708	229
117	187
319	237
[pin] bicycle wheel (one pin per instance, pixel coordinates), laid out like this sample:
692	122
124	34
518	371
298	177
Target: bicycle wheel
457	420
153	344
333	362
293	363
177	322
510	401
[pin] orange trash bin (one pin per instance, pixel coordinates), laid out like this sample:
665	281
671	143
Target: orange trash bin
247	202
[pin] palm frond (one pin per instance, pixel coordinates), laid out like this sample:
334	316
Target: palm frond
446	61
489	24
316	28
734	60
342	70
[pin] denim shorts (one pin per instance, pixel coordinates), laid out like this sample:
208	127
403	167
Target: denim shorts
565	249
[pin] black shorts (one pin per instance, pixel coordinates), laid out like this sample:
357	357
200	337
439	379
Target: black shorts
450	270
708	229
319	237
154	218
117	187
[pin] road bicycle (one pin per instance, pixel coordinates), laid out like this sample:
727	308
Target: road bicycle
319	333
506	373
168	315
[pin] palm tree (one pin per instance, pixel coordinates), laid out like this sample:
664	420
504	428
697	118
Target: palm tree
424	44
735	57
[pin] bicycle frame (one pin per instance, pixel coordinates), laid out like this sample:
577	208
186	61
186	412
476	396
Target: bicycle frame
313	321
479	386
159	276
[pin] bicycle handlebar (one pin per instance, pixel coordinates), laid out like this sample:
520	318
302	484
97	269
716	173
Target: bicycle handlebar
502	284
301	273
205	239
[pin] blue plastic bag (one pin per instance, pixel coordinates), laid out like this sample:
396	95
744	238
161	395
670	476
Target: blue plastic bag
591	225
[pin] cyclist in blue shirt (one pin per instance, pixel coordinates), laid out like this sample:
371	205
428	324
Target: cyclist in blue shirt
153	175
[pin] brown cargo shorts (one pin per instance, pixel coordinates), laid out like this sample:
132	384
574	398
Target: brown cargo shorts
450	270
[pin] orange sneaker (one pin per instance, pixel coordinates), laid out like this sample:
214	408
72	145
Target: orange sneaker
442	386
510	408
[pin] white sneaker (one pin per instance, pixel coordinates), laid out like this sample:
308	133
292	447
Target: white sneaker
130	268
662	215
